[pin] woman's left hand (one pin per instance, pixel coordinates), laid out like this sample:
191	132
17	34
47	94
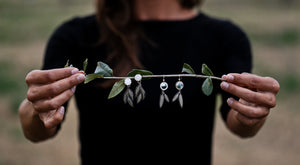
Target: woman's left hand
257	96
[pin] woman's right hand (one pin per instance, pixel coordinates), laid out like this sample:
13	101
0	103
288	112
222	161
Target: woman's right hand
48	90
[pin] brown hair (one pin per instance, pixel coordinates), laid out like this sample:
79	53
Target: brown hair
119	31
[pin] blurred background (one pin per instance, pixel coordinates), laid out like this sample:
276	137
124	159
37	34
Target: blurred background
273	27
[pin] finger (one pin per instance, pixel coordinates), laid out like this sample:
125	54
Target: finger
55	119
248	111
259	98
53	103
51	90
253	82
48	76
249	122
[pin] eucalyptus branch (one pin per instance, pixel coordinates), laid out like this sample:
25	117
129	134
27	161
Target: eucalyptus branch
103	71
167	75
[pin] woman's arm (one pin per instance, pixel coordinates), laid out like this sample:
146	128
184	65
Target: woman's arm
48	90
33	127
257	96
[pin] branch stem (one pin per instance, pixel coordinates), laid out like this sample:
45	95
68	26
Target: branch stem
168	75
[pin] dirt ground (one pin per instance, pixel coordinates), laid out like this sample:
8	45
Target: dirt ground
277	143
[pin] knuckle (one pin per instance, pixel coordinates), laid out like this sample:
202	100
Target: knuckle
48	124
255	113
254	81
31	94
53	104
50	76
259	112
58	118
252	96
53	89
30	76
272	101
250	122
276	86
245	73
37	107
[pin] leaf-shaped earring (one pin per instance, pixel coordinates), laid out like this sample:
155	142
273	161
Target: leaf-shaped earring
163	96
140	93
178	96
128	95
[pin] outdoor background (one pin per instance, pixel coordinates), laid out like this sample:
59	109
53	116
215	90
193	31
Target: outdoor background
274	30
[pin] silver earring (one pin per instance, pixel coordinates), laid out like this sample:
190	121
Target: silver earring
140	93
163	96
178	96
128	95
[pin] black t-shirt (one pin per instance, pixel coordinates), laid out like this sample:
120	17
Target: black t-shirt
112	131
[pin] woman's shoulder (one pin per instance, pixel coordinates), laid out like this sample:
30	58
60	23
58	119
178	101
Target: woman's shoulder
78	23
77	28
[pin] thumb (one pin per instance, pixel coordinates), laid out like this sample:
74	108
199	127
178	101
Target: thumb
52	118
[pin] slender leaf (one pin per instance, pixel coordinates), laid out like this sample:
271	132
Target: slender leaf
206	71
207	86
125	97
130	102
176	96
85	63
166	97
130	94
103	69
187	69
139	98
67	64
161	100
91	77
116	89
180	100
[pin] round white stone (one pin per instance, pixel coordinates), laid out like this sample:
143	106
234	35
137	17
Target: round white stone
138	77
127	81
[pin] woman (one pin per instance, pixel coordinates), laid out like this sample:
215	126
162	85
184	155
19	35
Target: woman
158	36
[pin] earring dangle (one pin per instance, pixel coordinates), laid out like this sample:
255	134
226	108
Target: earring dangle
163	96
140	93
178	96
128	95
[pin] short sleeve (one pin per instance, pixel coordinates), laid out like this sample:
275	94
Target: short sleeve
237	57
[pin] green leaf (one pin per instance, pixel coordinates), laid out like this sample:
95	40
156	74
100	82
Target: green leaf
85	63
67	64
139	71
206	71
207	86
91	77
187	69
116	89
103	69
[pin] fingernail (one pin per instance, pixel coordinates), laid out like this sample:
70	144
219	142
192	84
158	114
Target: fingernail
224	85
230	77
61	110
73	89
80	77
74	71
229	101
